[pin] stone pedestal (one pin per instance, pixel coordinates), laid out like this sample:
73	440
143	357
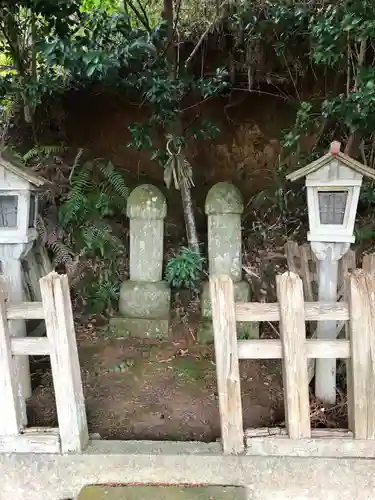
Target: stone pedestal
144	309
145	298
224	207
245	330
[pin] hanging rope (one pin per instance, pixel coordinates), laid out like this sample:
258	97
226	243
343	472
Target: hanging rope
177	168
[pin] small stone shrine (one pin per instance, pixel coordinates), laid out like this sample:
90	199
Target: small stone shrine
145	298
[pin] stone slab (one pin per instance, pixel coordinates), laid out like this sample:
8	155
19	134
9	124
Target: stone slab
62	476
162	493
139	327
145	300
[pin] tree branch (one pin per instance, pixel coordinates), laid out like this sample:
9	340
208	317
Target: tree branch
205	33
144	14
140	18
354	140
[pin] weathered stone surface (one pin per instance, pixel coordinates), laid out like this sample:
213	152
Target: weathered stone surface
162	493
245	330
144	304
146	202
139	327
242	293
225	245
146	249
224	198
145	300
146	209
224	207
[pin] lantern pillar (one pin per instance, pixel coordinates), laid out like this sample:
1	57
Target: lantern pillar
11	269
328	255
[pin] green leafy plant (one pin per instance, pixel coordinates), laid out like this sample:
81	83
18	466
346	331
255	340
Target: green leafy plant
82	239
97	190
45	151
184	269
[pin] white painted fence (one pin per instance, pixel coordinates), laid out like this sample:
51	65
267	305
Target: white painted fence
60	345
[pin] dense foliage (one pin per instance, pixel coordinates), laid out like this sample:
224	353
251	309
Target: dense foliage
81	236
330	45
50	47
316	55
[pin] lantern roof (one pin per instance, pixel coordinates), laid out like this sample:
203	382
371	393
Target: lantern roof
334	152
15	167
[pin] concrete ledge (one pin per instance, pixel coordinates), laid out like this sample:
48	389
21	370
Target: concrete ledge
57	477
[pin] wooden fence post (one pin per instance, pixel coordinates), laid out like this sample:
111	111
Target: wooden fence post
65	366
293	338
361	398
227	366
10	414
368	263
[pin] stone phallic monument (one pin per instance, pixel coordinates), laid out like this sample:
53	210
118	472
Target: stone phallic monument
145	298
223	207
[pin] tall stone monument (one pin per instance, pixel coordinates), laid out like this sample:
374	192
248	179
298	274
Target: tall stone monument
144	306
223	207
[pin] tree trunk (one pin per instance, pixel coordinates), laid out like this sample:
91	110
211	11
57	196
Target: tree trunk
191	229
354	141
175	129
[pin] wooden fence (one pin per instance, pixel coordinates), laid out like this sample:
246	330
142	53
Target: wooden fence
302	261
60	345
298	439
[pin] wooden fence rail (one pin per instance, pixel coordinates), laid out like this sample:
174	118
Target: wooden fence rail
60	345
295	350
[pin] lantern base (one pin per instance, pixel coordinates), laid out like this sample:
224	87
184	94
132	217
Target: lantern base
331	238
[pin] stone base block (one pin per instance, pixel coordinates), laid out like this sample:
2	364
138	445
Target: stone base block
245	330
144	310
241	294
139	327
145	300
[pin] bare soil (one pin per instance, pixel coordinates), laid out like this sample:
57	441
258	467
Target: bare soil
149	389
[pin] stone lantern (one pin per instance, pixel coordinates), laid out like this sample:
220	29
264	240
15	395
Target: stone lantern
18	211
333	184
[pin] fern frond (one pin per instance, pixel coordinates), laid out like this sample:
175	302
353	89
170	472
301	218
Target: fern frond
77	272
41	227
46	150
62	254
75	206
113	181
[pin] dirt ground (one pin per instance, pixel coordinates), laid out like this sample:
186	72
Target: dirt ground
149	389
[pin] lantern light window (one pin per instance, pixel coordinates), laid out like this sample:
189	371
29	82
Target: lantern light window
8	211
332	206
